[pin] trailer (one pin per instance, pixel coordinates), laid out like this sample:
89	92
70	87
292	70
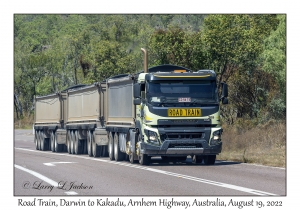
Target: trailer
167	111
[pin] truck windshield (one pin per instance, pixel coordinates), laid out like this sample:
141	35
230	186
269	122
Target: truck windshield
182	93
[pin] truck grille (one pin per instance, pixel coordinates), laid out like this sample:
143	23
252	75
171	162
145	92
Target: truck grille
185	146
178	136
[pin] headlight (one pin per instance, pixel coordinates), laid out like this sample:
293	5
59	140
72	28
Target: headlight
216	137
152	136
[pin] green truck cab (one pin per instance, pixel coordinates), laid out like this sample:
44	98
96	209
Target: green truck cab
178	114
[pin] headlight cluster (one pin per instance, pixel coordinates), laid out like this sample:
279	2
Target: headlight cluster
216	137
152	136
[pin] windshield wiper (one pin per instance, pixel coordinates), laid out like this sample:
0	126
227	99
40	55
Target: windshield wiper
203	102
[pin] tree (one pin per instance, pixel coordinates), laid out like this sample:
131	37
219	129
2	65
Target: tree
274	55
233	46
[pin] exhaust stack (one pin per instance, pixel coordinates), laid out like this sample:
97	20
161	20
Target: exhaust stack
145	60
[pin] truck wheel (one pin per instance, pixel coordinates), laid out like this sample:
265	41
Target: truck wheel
52	142
36	140
57	147
72	142
144	159
197	159
77	143
119	156
111	146
69	142
209	159
43	141
89	143
95	148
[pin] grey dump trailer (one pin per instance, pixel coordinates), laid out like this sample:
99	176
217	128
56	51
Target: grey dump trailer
167	111
72	120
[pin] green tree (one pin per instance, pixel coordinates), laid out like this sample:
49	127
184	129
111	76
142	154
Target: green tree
274	56
233	46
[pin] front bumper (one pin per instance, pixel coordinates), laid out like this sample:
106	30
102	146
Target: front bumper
181	147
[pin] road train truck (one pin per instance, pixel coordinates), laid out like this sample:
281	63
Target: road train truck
165	111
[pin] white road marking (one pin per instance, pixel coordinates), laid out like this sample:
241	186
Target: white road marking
71	193
196	179
44	178
54	163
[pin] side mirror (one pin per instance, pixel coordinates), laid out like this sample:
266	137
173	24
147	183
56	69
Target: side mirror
225	101
137	90
136	101
224	90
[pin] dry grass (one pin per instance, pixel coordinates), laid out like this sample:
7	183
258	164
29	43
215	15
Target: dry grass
264	144
25	122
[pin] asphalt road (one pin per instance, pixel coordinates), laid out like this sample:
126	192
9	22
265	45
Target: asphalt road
44	173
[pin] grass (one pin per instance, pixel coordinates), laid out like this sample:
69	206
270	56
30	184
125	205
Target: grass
24	122
264	144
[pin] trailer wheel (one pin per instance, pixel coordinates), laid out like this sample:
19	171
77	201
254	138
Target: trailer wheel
119	156
197	159
111	146
57	147
77	143
52	141
43	141
209	159
69	142
39	139
89	143
36	140
95	148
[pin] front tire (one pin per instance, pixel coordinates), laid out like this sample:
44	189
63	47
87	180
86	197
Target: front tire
144	159
209	159
197	159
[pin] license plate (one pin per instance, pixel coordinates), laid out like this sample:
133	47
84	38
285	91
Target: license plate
184	99
184	112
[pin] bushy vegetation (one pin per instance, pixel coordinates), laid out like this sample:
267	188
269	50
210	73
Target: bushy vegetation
53	52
